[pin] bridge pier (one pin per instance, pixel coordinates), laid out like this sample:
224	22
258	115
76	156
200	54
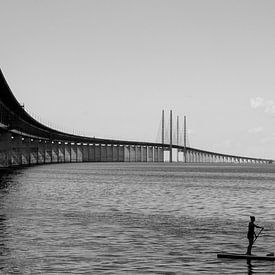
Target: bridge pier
132	153
126	153
138	153
16	150
160	154
85	152
144	153
150	154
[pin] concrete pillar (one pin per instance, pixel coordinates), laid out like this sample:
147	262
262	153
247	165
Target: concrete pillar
126	153
67	150
150	154
196	157
85	152
16	147
121	153
162	128
33	151
171	137
91	148
103	152
97	152
155	154
79	153
144	154
4	146
138	153
73	152
115	153
41	152
47	152
54	149
132	153
26	158
160	154
109	152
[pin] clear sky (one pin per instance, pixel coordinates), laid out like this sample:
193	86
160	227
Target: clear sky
108	68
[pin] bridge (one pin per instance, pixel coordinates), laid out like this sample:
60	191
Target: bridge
26	141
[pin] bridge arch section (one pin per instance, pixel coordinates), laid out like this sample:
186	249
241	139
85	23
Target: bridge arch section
26	141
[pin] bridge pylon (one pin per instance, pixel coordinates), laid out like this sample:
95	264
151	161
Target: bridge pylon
171	137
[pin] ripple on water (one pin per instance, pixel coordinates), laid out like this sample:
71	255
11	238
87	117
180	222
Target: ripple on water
134	218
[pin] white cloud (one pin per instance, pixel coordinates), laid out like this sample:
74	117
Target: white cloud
256	130
256	102
267	104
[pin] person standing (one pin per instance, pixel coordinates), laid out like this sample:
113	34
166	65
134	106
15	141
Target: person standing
251	234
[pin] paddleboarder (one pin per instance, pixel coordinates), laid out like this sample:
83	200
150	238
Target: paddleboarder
251	234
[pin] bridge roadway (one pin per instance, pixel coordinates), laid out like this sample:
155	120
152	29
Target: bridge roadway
26	141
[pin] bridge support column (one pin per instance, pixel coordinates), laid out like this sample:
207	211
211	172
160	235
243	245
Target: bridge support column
16	149
109	152
67	152
155	149
41	152
91	148
171	137
97	152
115	152
144	153
132	153
26	158
5	139
126	153
47	152
85	152
202	157
74	152
138	153
186	158
192	156
54	152
63	151
33	147
160	154
121	153
150	157
184	155
103	152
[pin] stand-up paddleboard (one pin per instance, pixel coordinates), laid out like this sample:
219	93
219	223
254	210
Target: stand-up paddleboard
245	256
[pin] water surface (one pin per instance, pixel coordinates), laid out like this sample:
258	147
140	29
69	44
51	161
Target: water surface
123	218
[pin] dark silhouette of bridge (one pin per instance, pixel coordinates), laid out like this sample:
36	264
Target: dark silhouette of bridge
26	141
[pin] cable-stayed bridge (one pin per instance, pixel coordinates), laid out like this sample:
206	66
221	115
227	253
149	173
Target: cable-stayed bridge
26	141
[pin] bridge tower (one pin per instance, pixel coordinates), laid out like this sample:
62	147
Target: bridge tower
162	128
171	137
184	152
178	138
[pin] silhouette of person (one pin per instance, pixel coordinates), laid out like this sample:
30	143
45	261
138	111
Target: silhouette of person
251	234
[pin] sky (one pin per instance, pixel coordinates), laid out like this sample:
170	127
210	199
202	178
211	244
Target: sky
107	68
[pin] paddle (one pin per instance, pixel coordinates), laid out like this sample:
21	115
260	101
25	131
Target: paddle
258	235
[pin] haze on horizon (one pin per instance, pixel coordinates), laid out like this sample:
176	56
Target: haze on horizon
108	68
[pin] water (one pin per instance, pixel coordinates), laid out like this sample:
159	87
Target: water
106	218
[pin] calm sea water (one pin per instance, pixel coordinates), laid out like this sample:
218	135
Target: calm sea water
103	218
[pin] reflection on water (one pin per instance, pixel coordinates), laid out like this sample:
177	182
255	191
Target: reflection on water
100	218
249	267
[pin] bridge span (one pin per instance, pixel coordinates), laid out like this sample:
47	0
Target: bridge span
26	141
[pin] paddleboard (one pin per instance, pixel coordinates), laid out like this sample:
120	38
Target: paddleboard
245	256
